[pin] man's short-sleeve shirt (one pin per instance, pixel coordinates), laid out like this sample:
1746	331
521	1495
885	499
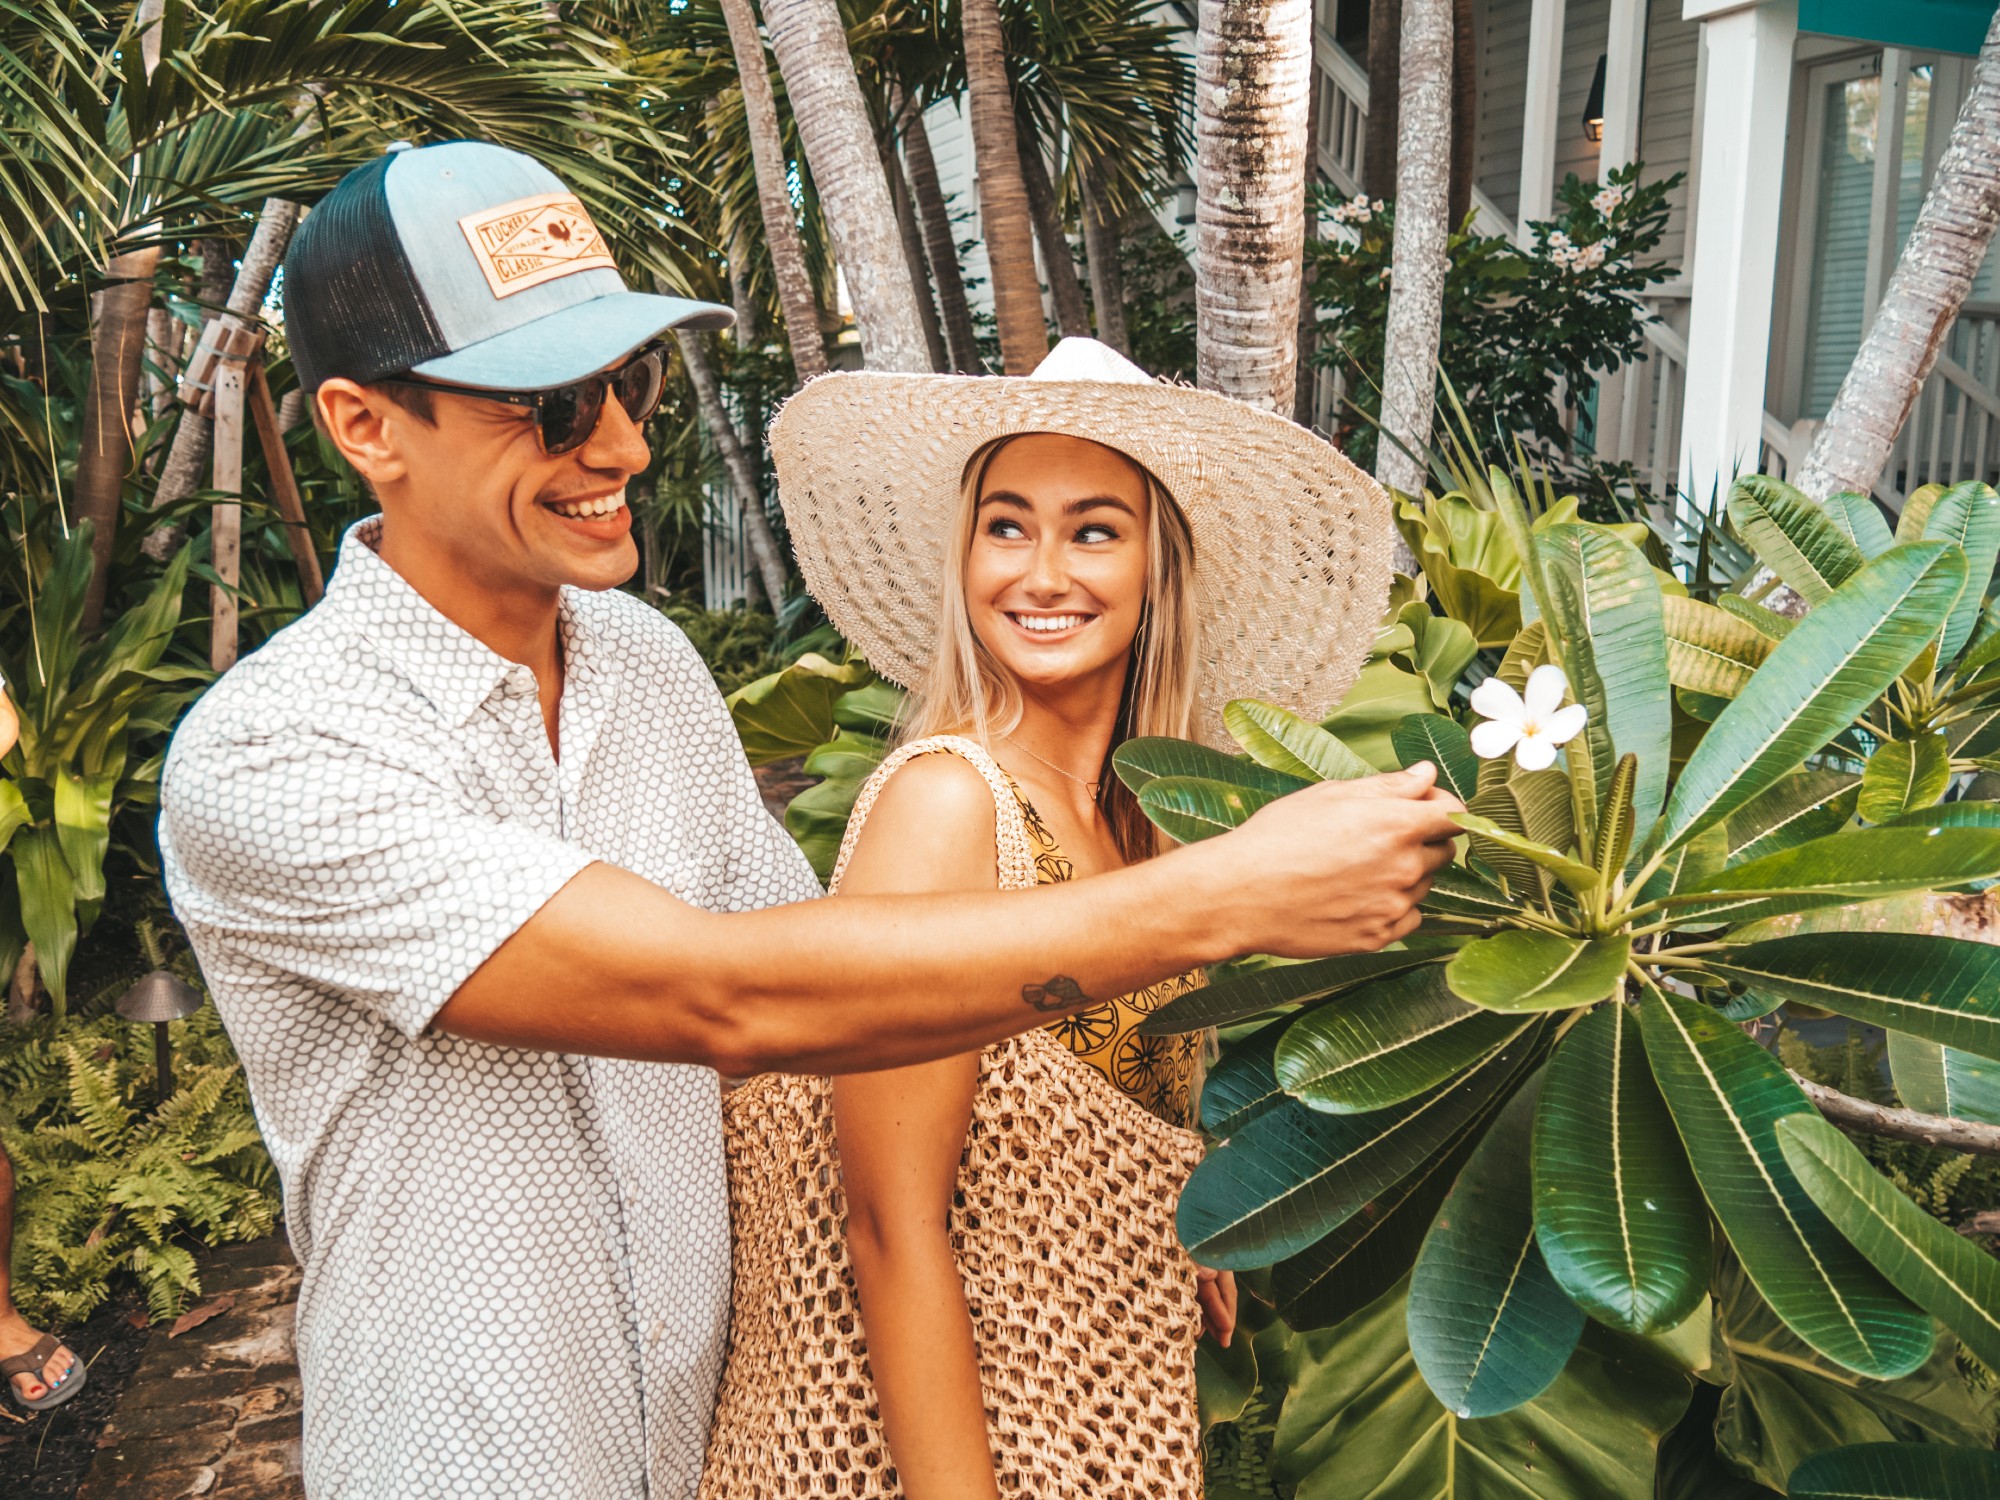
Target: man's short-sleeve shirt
516	1263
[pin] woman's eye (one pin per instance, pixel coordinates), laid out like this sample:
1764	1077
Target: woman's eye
1096	534
1005	529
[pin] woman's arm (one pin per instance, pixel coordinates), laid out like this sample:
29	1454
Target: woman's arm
901	1134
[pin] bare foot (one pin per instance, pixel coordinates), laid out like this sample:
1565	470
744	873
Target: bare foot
17	1337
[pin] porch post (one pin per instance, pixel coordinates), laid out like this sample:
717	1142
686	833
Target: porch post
1748	53
1624	78
1538	117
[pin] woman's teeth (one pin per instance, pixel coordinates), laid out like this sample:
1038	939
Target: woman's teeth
584	510
1049	624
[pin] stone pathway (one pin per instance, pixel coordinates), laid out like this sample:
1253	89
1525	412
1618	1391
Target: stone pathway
214	1411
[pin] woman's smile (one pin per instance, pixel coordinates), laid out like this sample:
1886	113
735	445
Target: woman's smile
1050	625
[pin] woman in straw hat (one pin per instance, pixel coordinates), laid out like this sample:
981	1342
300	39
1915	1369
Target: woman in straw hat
962	1279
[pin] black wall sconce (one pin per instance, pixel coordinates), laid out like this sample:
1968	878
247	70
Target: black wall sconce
1593	104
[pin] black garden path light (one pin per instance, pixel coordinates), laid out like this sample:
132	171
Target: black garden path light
160	997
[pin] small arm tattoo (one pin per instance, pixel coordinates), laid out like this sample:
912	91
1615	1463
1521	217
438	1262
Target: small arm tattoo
1059	992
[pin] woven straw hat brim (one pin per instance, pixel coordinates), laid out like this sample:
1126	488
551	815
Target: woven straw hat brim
1292	542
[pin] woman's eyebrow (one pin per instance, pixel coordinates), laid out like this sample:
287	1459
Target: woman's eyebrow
1074	508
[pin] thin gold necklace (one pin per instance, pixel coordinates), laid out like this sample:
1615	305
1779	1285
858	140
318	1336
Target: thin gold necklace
1091	787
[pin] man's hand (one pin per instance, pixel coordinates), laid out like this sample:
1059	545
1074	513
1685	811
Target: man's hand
1338	867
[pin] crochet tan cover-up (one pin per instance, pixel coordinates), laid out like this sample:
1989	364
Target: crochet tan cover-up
1082	1300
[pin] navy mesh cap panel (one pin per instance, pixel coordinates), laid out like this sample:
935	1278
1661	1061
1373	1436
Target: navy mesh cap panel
352	304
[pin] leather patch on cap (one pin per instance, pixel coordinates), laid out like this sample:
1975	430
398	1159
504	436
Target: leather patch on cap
533	240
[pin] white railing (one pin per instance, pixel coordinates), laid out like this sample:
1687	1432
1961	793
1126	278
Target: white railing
1953	430
1342	89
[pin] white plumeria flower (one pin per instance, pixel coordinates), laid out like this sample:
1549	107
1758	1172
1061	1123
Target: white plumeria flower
1607	200
1531	726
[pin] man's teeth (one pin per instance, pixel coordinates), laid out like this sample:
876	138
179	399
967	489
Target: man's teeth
1050	623
583	510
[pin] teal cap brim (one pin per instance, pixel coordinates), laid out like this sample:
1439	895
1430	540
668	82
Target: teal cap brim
567	345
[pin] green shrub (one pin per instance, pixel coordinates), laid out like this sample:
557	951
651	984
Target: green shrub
107	1188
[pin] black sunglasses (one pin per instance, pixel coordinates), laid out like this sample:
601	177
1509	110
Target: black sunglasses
566	415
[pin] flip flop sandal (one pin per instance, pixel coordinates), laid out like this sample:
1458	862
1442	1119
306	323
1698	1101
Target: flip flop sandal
33	1363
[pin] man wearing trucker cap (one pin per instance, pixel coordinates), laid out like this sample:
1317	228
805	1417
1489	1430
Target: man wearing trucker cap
480	880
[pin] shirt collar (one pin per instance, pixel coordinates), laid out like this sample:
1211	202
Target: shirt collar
451	668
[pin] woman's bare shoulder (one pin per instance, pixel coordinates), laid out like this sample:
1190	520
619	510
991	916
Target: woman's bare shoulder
932	828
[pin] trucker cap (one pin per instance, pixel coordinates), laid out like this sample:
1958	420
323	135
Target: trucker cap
464	263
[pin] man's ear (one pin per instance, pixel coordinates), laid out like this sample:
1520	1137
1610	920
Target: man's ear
365	426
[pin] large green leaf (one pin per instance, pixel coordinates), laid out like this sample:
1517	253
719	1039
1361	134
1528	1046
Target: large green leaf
48	904
83	828
1944	1273
1337	1276
1523	971
1280	740
1861	864
1967	514
1382	697
1388	1042
1943	989
1445	744
1621	1221
1710	650
1192	808
1459	892
1861	519
1489	1327
1782	1402
1295	1174
1938	1080
1574	873
1904	775
1898	1471
1804	806
1727	1095
789	712
1823	675
1141	761
1798	540
1360	1424
1609	633
1243	1084
1233	995
13	812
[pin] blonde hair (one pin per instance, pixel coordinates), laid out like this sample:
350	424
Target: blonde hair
966	691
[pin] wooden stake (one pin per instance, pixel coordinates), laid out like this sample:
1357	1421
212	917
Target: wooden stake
226	521
285	486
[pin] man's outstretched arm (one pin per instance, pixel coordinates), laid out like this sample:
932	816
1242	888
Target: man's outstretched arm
614	966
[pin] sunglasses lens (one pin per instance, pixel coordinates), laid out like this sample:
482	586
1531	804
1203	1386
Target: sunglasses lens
568	414
640	384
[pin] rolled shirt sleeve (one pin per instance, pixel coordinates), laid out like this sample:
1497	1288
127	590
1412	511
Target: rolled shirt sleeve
350	866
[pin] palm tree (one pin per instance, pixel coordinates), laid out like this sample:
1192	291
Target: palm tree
1005	220
781	230
699	359
1253	68
1058	260
105	456
839	139
1417	264
1100	253
1385	50
961	347
1932	278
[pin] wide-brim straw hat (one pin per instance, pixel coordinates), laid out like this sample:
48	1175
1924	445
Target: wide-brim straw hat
1291	541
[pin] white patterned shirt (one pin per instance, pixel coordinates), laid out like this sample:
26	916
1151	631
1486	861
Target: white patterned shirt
516	1263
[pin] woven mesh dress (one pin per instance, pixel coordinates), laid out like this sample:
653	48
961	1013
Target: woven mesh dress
1082	1300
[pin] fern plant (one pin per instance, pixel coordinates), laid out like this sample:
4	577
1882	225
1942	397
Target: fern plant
109	1189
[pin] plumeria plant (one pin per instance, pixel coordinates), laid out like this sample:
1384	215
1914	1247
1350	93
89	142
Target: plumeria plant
1544	1108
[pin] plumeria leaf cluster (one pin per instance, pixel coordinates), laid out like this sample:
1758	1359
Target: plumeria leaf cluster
1544	1109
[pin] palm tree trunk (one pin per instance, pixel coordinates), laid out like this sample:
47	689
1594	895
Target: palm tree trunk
1005	221
1305	386
1058	260
721	428
1385	56
181	474
1253	65
1107	276
839	140
104	459
913	249
1935	272
1464	109
745	332
947	278
1417	261
781	229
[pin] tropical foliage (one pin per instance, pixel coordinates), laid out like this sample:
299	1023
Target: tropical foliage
1566	306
